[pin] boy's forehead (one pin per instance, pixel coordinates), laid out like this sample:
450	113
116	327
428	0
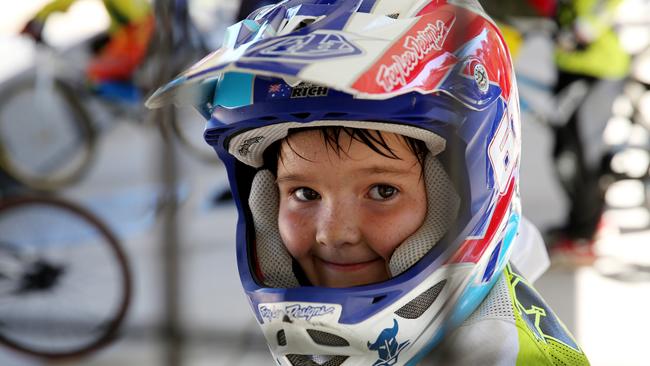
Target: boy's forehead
309	146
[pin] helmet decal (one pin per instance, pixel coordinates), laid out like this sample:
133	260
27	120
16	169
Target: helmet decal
481	77
387	346
245	147
325	44
399	66
295	311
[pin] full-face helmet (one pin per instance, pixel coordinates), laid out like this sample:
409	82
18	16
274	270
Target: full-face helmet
436	71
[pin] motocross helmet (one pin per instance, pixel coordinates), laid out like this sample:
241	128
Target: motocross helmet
435	70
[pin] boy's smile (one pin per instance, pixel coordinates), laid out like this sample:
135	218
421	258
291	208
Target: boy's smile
342	215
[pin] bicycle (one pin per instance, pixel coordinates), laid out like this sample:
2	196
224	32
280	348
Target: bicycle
65	284
47	138
48	120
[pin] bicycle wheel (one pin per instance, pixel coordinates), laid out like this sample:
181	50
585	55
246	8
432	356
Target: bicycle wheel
188	127
46	136
69	286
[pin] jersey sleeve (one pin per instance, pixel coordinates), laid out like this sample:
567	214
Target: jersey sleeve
512	327
540	331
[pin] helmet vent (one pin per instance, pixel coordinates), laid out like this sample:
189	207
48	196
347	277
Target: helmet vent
327	339
335	115
416	307
304	360
417	119
304	23
282	338
377	299
304	115
394	15
212	137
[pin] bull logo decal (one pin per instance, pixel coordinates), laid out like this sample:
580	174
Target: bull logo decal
387	346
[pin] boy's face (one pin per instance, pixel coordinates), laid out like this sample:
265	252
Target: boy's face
341	217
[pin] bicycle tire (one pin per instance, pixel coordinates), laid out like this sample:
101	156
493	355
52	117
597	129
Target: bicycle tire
187	134
26	327
189	124
77	120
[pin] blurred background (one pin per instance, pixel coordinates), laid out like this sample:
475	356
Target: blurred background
149	196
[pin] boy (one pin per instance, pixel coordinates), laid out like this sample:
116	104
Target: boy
373	149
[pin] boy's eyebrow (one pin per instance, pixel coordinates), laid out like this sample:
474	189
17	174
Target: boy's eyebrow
375	169
380	169
290	178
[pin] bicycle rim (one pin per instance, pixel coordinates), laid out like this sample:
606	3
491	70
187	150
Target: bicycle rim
81	308
188	126
46	137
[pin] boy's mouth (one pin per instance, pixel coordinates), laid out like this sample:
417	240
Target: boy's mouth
347	266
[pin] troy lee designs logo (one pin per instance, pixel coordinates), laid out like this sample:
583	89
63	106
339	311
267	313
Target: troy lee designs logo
296	311
431	38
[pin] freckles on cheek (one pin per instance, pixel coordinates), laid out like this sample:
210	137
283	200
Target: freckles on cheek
387	242
295	232
393	230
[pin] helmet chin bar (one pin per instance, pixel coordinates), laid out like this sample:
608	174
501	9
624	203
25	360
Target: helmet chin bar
303	331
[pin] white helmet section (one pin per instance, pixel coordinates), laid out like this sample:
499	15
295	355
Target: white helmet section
298	333
249	146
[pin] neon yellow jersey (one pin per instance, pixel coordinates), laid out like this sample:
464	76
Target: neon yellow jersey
121	12
513	326
543	338
604	57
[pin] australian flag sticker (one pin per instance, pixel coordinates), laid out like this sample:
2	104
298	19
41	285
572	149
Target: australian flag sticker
387	346
308	47
278	90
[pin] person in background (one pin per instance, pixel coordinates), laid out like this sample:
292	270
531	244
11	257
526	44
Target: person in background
587	49
124	46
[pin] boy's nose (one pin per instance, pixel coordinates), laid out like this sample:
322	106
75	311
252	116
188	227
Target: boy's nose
338	226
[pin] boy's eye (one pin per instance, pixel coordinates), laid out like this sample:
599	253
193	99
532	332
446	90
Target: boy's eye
382	192
306	194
